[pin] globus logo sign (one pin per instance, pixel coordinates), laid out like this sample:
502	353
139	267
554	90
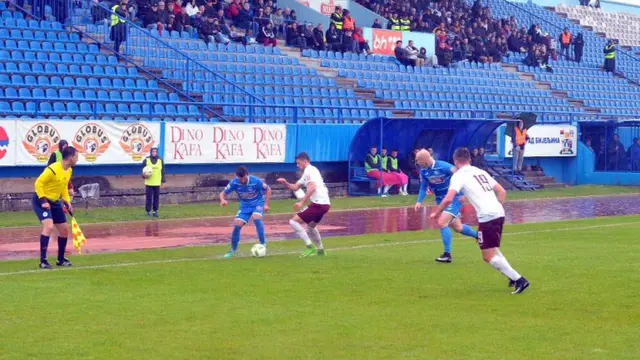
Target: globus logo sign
384	41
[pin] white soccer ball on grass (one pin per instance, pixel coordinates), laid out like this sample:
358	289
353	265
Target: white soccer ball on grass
259	250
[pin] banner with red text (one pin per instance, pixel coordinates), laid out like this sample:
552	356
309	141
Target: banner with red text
383	42
325	7
97	142
197	143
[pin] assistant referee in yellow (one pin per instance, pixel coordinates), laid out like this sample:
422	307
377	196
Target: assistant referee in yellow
52	195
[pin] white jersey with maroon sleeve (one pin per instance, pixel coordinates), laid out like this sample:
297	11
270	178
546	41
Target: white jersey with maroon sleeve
311	174
477	186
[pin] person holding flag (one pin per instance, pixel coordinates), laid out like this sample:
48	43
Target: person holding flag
54	158
51	195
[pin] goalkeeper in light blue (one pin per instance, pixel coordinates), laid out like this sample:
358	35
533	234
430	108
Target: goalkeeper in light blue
254	196
436	175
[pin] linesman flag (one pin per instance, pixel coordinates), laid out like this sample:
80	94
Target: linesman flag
78	237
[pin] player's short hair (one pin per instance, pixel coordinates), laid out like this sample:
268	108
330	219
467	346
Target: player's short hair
242	171
394	150
69	152
303	156
462	154
62	143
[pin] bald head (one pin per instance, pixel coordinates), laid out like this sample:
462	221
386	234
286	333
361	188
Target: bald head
424	159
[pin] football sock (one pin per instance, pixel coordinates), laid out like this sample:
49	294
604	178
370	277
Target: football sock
447	236
300	231
235	237
44	245
386	189
404	188
62	246
260	229
501	264
315	235
468	231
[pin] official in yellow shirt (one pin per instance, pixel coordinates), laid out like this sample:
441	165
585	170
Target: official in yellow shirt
49	200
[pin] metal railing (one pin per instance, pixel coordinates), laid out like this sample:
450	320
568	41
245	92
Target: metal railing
141	45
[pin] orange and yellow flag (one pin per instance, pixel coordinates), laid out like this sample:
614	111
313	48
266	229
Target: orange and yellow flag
78	237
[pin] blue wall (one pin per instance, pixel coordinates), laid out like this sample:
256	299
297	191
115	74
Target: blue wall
321	142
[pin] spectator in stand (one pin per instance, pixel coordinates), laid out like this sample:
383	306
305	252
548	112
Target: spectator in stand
261	19
405	23
337	19
245	17
334	40
266	36
401	55
578	47
394	23
412	54
152	18
164	16
192	8
295	38
362	43
478	160
310	37
377	24
566	39
278	22
233	10
318	34
444	53
610	57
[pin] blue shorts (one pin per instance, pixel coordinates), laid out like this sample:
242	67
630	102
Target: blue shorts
56	212
246	212
454	209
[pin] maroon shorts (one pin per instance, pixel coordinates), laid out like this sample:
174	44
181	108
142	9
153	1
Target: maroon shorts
490	233
314	213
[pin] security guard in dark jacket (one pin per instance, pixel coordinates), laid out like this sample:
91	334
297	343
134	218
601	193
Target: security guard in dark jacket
405	23
118	24
337	18
610	57
394	23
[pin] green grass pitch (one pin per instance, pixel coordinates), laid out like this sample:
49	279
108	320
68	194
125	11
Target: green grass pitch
373	297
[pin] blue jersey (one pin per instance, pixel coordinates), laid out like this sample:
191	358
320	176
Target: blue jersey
437	178
251	194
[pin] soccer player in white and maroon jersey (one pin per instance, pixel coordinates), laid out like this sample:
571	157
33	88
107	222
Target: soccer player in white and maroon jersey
486	196
318	193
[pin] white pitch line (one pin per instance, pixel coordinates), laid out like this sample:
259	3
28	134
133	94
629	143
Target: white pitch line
345	248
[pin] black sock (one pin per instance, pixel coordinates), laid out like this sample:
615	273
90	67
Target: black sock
44	245
62	246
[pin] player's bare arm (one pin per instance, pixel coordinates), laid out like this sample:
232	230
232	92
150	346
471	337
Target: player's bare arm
267	199
292	187
311	189
451	194
501	193
223	199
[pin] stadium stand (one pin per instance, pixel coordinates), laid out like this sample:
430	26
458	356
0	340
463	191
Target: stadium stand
50	72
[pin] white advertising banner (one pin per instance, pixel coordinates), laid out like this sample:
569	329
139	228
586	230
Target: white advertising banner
98	142
7	142
197	143
548	141
325	7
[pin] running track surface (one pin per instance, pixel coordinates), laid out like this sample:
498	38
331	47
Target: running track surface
21	243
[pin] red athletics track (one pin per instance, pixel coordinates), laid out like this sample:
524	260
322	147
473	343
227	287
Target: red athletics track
20	243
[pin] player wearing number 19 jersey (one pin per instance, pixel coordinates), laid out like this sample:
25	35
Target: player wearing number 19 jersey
481	190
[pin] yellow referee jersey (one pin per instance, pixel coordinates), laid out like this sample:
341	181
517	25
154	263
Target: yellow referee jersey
53	183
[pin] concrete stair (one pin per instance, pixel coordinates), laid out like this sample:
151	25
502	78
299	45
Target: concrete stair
539	178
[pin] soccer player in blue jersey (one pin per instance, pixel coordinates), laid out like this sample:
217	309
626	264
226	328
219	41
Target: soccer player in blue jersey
254	196
436	175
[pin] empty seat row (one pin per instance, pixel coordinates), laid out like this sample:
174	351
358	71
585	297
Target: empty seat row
67	81
263	79
399	77
463	97
64	69
203	56
49	35
303	112
99	108
77	94
18	55
61	47
426	86
239	68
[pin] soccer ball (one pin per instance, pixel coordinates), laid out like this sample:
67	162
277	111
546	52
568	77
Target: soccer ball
259	250
147	172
